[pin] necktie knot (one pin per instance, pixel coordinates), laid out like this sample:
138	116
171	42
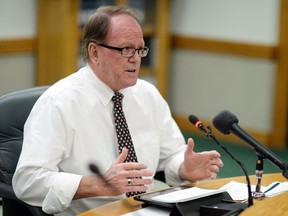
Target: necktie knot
117	98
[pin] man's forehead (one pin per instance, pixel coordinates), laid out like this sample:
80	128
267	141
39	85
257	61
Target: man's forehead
122	22
124	26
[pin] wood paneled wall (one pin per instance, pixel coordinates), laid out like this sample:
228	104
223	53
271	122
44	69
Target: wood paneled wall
279	53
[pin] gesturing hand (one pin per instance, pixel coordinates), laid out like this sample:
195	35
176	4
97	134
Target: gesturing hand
119	179
127	177
198	166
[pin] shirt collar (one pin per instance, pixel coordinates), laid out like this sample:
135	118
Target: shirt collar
104	92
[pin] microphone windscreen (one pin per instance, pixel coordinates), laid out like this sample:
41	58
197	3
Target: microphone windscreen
94	169
224	121
193	119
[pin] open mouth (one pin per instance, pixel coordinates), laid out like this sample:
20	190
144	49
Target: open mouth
131	71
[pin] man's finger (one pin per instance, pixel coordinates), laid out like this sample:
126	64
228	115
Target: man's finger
134	166
190	145
121	158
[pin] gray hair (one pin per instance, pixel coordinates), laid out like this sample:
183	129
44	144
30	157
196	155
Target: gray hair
97	27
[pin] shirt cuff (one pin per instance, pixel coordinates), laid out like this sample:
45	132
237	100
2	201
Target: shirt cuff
172	171
61	193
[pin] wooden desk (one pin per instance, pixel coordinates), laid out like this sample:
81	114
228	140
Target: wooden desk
275	206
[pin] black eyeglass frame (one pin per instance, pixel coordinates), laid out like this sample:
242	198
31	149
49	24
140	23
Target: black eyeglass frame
144	50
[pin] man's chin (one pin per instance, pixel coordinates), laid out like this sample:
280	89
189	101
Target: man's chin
131	83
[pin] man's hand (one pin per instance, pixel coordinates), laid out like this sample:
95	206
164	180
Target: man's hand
198	166
119	179
128	177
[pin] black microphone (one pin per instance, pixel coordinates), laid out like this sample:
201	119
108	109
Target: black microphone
227	123
96	171
195	121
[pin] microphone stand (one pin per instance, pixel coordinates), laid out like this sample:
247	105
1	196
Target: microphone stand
259	172
208	133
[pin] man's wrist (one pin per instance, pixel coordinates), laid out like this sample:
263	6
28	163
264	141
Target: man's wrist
182	175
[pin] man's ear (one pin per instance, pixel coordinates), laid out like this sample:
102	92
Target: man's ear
93	52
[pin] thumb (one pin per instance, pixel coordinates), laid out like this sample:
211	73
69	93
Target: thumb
121	158
190	145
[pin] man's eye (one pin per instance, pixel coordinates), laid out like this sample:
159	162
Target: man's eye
128	48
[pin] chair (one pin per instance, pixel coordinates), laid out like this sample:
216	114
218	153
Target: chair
14	110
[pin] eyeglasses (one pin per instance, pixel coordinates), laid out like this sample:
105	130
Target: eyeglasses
129	52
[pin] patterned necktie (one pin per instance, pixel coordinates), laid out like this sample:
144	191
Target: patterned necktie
123	134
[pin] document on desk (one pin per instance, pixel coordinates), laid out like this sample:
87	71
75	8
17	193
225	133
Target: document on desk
151	211
186	195
276	188
239	191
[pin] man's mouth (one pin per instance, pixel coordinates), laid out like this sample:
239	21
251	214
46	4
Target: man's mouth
131	71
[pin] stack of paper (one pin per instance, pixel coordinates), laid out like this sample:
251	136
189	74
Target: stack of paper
239	191
186	195
276	188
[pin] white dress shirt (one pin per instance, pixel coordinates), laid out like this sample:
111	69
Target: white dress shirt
71	126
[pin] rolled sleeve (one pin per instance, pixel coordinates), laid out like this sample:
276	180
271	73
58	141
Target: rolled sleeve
61	193
172	170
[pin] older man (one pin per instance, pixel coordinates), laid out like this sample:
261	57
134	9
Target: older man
73	124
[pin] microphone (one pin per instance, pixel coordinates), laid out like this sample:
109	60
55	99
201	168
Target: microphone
258	174
93	168
227	123
195	121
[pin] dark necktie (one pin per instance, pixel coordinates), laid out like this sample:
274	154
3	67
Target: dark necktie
123	134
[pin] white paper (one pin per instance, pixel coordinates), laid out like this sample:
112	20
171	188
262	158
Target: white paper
151	211
276	188
239	191
186	195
